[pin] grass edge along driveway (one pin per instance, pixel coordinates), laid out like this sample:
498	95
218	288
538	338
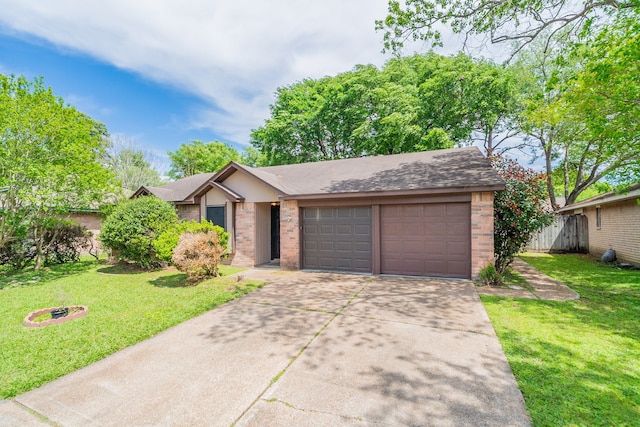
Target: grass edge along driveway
576	362
126	306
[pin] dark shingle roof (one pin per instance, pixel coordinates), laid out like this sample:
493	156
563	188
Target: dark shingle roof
460	168
179	190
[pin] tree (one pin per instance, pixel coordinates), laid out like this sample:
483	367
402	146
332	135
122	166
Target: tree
583	107
422	102
519	210
134	225
518	22
49	161
132	166
198	157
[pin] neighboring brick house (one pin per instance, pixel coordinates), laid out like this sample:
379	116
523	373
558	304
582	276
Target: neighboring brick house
426	214
91	219
613	222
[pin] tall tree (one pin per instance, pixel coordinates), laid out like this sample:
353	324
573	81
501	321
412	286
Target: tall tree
50	157
584	108
501	20
198	157
423	102
133	166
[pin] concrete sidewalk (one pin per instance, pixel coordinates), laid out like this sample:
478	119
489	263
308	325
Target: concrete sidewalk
541	286
307	349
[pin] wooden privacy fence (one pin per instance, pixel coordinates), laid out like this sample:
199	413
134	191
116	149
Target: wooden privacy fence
568	233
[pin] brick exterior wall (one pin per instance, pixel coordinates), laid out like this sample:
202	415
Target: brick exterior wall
620	230
481	231
92	221
289	235
188	212
245	250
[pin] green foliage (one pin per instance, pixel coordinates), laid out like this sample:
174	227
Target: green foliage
125	307
519	210
50	161
422	102
129	231
198	157
166	241
490	276
576	362
516	22
198	255
130	165
583	107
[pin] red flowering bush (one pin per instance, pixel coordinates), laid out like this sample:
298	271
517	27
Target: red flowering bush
519	211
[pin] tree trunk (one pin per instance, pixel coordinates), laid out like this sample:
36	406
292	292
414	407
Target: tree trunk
549	168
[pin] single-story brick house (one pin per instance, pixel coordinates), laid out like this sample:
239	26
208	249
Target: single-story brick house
426	214
613	222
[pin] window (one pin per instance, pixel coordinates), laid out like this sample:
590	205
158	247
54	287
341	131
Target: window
215	214
598	217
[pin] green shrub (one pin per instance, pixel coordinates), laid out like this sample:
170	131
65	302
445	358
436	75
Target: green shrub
129	231
198	254
168	239
64	240
490	276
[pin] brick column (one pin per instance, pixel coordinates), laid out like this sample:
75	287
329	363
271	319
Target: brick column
289	235
481	231
245	229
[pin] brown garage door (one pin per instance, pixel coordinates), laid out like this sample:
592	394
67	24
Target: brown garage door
426	240
337	239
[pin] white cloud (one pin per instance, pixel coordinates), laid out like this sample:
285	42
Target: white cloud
232	54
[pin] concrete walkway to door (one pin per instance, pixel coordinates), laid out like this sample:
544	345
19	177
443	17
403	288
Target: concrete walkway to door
312	349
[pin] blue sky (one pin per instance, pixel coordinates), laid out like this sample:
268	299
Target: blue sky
160	73
141	110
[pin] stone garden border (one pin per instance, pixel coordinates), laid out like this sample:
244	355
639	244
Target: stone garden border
75	312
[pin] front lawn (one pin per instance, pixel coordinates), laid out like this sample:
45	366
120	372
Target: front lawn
125	306
576	362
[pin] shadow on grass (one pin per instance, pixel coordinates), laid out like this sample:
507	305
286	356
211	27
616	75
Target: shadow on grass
546	371
29	276
172	281
123	268
609	298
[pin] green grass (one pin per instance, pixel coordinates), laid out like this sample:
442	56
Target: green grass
126	306
576	362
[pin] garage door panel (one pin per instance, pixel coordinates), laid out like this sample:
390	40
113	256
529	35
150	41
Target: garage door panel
457	210
344	229
343	241
457	249
426	239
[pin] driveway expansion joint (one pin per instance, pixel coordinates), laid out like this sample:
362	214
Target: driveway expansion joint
302	350
35	413
315	411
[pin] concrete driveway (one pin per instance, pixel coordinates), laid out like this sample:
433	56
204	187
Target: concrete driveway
313	349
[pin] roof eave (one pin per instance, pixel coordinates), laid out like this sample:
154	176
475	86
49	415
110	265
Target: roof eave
392	193
601	201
